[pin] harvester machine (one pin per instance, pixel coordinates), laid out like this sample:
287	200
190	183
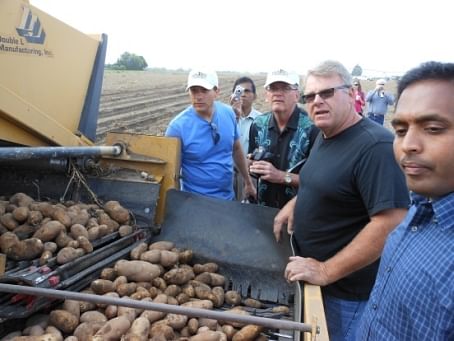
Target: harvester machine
50	89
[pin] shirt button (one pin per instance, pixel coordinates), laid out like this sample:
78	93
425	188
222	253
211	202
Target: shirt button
388	269
414	228
374	306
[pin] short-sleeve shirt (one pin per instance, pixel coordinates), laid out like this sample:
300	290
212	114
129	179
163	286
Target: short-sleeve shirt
288	148
206	166
347	179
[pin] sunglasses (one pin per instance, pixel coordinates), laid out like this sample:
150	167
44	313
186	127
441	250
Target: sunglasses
324	94
355	84
280	87
214	133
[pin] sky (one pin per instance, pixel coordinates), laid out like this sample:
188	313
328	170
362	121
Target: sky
385	37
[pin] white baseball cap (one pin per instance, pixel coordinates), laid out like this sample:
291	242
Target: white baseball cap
205	78
282	75
381	81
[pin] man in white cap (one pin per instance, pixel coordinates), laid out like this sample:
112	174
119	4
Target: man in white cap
378	100
280	140
209	141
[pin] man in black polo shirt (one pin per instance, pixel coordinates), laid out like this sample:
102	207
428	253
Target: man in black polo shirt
351	195
279	140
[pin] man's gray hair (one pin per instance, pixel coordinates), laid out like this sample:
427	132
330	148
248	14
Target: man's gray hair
329	68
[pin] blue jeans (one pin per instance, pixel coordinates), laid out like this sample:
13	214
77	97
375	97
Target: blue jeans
342	317
380	119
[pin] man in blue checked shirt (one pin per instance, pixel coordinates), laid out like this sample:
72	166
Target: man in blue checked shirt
413	296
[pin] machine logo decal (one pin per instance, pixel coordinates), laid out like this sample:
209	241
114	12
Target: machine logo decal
30	28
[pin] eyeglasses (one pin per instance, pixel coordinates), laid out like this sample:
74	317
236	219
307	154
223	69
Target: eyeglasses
214	133
324	94
280	87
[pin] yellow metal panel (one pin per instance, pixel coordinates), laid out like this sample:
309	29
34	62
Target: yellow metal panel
46	64
314	313
29	120
165	148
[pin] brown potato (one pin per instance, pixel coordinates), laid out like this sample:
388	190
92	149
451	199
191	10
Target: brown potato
34	218
250	302
200	304
85	244
60	214
248	333
73	307
162	245
66	255
78	230
63	320
108	273
168	258
8	221
112	329
139	330
126	289
178	276
86	330
125	230
207	267
184	257
21	214
232	297
63	239
93	316
117	212
138	250
102	286
209	335
152	256
20	199
136	270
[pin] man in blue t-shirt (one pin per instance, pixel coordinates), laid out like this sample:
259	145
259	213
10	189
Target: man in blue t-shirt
209	141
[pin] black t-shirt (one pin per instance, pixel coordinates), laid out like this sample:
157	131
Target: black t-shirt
346	180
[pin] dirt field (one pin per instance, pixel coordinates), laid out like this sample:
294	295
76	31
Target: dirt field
145	101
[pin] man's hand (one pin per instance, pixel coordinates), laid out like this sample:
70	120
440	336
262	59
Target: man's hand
249	189
284	217
236	106
306	269
267	171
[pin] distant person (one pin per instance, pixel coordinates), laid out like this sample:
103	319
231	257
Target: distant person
378	100
209	141
413	296
245	115
351	195
280	140
360	97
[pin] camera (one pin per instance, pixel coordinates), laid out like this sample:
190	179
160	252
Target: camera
237	93
261	154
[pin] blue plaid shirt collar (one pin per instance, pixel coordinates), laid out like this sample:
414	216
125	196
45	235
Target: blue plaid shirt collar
442	209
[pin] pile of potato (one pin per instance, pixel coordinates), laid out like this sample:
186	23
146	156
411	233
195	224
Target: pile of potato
158	273
30	229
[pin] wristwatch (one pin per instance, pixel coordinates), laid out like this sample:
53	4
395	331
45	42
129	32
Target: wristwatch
287	179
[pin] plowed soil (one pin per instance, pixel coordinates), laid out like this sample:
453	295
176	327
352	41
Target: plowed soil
145	101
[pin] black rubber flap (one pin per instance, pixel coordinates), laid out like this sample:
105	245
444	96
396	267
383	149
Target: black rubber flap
239	237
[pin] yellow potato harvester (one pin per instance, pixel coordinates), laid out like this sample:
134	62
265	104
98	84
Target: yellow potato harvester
50	87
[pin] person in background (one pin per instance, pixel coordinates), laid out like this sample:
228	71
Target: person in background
378	101
245	115
280	140
360	99
210	141
413	296
351	195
